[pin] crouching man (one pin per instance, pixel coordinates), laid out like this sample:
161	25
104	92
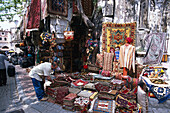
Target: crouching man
38	75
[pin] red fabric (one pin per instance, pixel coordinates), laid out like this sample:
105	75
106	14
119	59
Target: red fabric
105	73
80	81
34	14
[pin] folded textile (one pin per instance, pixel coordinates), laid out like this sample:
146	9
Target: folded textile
106	106
79	82
85	93
69	99
74	90
90	86
81	102
161	92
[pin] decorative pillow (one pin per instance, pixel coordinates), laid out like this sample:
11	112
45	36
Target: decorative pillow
99	60
101	87
90	86
106	106
105	73
108	61
124	101
115	66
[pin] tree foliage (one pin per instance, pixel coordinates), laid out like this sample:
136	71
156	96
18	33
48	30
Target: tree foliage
9	8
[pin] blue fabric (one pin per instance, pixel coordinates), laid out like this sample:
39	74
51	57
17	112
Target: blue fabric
161	93
39	88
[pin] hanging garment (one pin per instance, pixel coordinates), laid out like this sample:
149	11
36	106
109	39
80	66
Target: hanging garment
155	46
127	57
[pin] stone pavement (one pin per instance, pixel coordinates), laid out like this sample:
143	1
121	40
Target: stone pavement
27	95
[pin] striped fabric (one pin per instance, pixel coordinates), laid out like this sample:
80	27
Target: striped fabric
127	57
108	61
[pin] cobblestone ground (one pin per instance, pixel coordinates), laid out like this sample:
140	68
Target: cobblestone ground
9	98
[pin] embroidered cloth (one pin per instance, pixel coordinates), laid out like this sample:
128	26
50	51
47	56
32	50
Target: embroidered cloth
161	92
106	106
155	46
34	14
114	35
57	7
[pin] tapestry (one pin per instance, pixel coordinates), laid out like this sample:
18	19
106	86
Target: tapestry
154	43
124	102
34	14
114	35
162	93
87	7
57	7
106	106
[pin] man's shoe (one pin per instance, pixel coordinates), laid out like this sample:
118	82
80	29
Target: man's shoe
44	99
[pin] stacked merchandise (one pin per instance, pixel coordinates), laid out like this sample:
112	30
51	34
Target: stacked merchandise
68	101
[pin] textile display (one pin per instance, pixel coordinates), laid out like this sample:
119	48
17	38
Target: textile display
74	90
90	86
43	9
58	7
127	57
103	95
99	60
124	101
87	7
161	92
81	102
79	83
102	87
114	35
85	93
108	61
105	73
34	14
101	78
106	106
154	43
61	93
69	99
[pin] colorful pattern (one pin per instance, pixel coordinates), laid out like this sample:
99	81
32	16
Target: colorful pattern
162	93
124	101
108	61
79	83
99	60
105	73
57	7
155	46
105	106
100	87
34	14
114	35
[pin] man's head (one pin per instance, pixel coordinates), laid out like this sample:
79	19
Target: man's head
54	65
129	40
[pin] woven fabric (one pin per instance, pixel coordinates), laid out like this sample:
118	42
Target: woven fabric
155	46
105	106
87	7
99	60
105	73
34	14
108	61
101	87
114	35
124	102
58	7
61	93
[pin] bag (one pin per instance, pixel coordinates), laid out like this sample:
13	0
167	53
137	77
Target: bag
68	35
11	71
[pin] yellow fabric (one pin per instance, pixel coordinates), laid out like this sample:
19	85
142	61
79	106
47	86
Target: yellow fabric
94	95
